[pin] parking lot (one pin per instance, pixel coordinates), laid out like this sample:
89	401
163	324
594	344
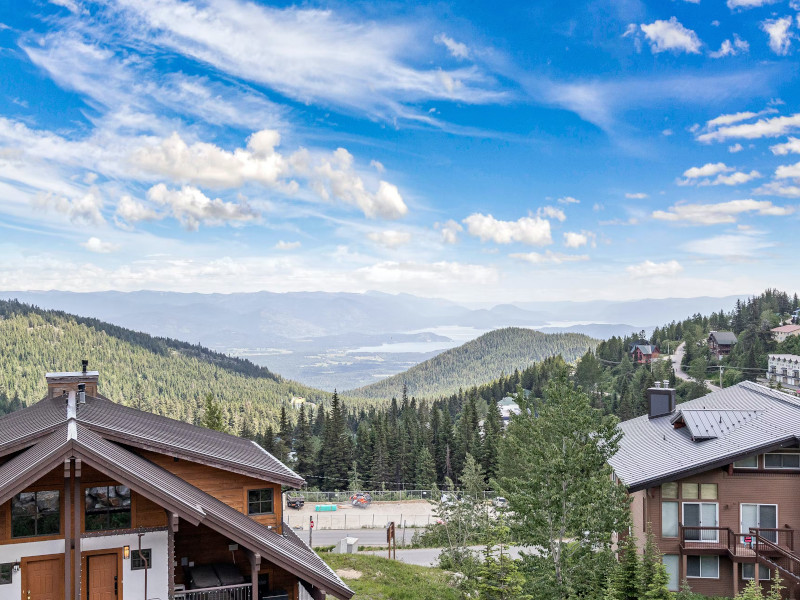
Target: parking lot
411	513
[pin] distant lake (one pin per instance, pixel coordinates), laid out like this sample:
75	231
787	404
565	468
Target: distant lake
458	335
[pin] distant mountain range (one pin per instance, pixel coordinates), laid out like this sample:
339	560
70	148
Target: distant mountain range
479	361
340	340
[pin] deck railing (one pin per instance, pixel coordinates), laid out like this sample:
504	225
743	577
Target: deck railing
225	592
774	556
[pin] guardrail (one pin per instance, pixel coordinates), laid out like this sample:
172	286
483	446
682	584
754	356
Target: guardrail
225	592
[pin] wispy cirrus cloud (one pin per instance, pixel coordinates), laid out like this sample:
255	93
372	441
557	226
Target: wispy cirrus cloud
720	213
549	257
649	268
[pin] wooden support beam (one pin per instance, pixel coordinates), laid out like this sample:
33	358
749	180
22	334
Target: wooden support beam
68	527
76	508
255	567
172	521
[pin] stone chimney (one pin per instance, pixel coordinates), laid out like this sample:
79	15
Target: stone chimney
60	383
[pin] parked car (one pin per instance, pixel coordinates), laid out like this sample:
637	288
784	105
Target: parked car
500	502
295	502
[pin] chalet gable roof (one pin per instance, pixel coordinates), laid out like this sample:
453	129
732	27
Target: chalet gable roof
725	338
755	419
147	431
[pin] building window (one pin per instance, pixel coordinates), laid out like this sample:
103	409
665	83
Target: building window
706	567
749	572
5	573
751	462
696	517
669	490
690	491
708	491
36	513
782	461
671	562
669	519
141	560
108	507
259	502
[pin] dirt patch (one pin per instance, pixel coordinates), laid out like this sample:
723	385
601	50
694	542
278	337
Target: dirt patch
349	574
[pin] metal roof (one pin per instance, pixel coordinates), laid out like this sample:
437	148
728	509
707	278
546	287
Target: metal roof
645	348
653	451
709	424
789	357
723	337
786	329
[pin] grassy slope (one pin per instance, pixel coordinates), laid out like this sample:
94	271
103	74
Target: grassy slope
164	376
479	361
384	579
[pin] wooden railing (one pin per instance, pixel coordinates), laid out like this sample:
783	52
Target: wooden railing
700	537
724	539
774	556
225	592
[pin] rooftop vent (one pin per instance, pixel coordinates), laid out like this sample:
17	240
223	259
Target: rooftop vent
84	366
661	401
82	393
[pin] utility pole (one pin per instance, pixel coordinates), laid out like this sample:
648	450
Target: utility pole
310	530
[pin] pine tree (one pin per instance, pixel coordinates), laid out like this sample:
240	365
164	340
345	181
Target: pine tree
304	448
653	578
425	476
213	416
472	478
492	427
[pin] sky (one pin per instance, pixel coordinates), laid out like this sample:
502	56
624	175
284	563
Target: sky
483	153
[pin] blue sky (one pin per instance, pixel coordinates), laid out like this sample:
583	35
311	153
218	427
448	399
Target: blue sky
472	151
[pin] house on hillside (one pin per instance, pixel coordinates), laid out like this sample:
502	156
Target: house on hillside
721	342
784	369
102	501
780	334
716	479
642	352
508	406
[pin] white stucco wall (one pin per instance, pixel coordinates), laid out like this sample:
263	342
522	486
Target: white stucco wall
133	581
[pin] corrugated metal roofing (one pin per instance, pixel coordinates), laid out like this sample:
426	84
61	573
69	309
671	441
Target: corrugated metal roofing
724	337
25	427
653	450
710	424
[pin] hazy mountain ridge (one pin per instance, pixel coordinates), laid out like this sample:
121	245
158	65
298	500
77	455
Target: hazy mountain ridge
479	361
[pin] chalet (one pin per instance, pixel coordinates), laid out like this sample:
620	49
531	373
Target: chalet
721	342
716	480
99	501
642	352
781	333
784	369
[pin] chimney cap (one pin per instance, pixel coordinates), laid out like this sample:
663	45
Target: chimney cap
84	365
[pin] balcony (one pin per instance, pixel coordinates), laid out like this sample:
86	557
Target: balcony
225	592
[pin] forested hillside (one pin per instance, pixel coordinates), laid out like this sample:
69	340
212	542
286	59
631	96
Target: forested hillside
484	359
161	375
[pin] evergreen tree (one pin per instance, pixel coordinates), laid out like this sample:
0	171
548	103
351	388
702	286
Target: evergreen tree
304	447
425	476
213	415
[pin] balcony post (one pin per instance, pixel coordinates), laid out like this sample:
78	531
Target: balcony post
255	567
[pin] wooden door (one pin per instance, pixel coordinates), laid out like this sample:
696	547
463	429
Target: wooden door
102	576
43	578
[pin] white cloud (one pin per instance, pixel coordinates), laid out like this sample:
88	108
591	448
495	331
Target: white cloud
707	170
527	230
134	211
743	4
282	245
724	212
777	188
636	196
733	179
390	238
730	119
450	230
377	165
555	258
84	210
457	49
573	239
728	48
744	245
780	37
551	212
568	200
791	146
772	127
788	171
68	4
671	36
95	244
649	268
191	207
735	148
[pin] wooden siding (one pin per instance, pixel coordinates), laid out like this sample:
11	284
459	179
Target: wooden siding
230	488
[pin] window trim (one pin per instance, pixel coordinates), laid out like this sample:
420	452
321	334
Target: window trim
678	511
758	506
39	537
247	501
758	461
10	567
134	557
678	565
683	520
766	468
700	561
761	569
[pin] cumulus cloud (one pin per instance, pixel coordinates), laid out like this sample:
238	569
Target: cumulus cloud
707	170
568	200
772	127
457	49
133	211
533	231
282	245
450	230
191	207
390	238
84	210
671	36
95	244
788	171
551	212
735	148
555	258
574	239
780	36
736	178
728	48
791	146
724	212
649	268
724	176
778	188
636	195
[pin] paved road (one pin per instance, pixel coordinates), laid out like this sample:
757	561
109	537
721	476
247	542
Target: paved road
429	557
677	359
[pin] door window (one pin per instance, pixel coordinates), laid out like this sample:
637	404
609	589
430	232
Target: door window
696	516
